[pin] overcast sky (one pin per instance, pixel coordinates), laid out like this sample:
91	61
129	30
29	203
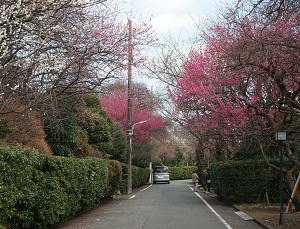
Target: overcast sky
174	16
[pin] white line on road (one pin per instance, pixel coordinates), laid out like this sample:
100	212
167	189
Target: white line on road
140	192
146	188
210	207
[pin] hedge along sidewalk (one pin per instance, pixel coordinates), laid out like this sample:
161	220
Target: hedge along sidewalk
245	181
38	190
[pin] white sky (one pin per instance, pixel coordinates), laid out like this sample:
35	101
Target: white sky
174	16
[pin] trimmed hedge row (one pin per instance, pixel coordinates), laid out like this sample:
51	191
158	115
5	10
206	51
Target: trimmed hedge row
245	181
181	173
38	191
140	176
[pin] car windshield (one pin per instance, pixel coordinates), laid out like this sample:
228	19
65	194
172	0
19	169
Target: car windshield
161	169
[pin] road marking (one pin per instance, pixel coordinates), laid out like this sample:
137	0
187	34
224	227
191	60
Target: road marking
213	211
140	192
132	197
146	188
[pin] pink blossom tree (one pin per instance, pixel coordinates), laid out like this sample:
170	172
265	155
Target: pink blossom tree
261	60
116	106
246	75
205	105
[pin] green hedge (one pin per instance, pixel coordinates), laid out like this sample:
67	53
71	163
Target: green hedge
140	176
181	173
245	181
38	191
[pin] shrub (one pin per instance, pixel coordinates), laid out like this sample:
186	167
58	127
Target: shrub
18	189
38	190
181	173
244	181
23	126
115	176
140	176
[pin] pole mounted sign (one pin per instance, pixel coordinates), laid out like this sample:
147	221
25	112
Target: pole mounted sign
280	136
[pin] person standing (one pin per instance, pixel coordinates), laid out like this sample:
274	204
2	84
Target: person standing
208	182
195	179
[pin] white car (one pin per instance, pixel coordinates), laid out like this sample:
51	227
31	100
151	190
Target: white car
161	174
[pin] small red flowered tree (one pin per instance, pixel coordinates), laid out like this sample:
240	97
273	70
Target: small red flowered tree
116	106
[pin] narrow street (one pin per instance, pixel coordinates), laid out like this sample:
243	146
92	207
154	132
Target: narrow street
161	206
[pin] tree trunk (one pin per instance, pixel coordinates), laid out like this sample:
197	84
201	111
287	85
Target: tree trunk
201	162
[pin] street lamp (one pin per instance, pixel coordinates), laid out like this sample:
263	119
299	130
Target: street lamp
132	128
281	136
129	156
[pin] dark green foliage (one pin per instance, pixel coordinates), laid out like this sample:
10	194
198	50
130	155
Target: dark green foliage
141	155
245	181
38	191
100	136
98	125
248	150
18	188
181	173
63	140
103	133
82	128
92	101
119	141
115	176
140	176
60	149
179	159
157	161
123	183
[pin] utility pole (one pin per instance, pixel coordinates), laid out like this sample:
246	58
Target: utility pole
129	115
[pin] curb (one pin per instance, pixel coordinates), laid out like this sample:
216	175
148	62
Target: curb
255	220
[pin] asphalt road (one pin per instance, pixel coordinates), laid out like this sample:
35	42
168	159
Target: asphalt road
161	206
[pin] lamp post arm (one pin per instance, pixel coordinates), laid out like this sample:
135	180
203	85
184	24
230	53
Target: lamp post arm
138	123
132	127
